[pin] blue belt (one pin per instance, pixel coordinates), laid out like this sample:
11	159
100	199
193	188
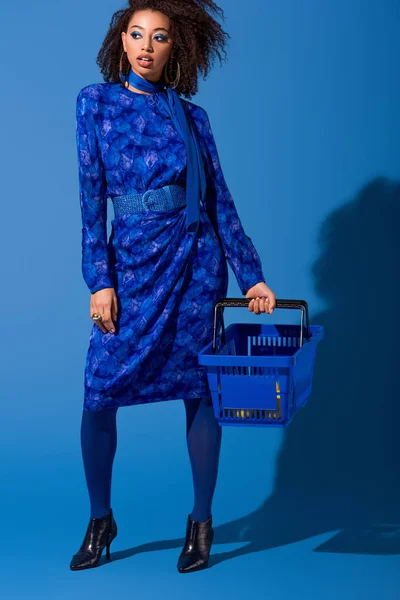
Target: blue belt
168	197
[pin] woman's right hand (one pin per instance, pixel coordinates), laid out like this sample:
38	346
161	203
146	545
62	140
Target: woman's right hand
105	303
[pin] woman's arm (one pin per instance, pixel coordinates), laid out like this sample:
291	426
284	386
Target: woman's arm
93	198
238	247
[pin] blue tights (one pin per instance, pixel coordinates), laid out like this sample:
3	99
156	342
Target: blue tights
99	444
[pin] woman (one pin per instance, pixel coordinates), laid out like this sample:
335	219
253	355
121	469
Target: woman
155	282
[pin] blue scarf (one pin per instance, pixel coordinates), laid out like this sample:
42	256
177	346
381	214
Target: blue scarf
195	175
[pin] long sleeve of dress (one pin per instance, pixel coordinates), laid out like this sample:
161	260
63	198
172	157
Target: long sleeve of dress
238	247
93	198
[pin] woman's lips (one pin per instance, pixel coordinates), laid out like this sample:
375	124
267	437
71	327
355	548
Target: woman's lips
144	63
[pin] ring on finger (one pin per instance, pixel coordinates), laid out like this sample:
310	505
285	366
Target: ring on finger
97	316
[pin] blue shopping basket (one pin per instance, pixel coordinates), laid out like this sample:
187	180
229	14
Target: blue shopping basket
259	374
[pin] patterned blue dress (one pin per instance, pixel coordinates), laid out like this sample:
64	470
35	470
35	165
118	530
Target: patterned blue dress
166	282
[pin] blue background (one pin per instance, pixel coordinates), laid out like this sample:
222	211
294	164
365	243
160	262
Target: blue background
305	115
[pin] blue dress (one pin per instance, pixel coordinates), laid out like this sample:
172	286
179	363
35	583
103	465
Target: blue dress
166	282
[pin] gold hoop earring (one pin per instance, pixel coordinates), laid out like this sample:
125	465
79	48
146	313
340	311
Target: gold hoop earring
172	84
123	78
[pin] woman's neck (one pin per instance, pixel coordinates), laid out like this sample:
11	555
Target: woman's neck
133	89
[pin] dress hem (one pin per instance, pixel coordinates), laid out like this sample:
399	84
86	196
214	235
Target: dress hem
149	401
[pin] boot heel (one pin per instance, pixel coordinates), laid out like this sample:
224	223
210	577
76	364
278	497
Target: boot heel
112	536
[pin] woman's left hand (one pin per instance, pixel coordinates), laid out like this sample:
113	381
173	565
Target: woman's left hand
262	297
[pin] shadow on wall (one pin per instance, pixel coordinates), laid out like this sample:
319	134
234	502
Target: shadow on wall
339	464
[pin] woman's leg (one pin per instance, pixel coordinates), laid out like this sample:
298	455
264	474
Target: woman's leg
99	443
203	434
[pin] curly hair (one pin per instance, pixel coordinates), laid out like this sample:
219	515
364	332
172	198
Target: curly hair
198	39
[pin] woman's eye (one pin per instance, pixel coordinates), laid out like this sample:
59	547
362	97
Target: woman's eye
159	38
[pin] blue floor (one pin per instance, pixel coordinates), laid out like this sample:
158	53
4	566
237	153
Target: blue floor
280	531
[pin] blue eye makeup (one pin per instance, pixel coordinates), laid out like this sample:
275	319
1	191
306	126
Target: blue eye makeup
159	37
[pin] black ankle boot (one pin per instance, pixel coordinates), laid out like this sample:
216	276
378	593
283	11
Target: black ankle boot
195	553
100	533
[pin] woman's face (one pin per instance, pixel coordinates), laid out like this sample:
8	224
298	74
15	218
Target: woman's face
148	34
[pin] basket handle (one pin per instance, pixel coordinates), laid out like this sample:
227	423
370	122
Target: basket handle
244	302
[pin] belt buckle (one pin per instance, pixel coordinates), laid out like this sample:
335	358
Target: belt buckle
144	196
